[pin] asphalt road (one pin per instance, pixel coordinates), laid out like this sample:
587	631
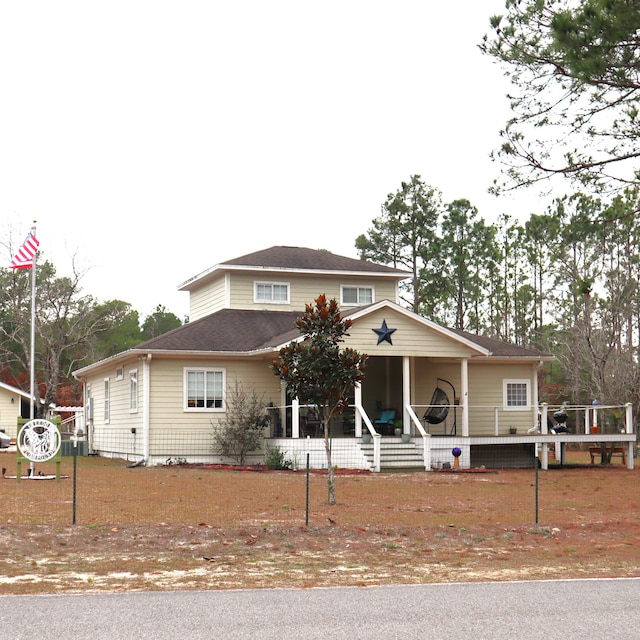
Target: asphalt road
478	611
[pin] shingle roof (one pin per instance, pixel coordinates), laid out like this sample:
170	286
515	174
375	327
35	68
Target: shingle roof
233	330
499	348
283	257
247	330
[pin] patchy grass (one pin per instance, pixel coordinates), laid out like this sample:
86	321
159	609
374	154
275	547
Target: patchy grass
205	528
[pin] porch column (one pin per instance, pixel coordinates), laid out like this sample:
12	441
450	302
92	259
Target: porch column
406	393
536	398
295	418
357	398
464	380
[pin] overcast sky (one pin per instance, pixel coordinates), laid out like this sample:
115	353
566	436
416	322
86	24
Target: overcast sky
152	140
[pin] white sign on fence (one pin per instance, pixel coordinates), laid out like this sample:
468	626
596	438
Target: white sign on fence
39	440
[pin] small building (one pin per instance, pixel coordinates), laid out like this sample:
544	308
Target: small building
14	404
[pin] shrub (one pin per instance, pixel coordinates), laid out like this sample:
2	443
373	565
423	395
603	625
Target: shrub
241	431
275	460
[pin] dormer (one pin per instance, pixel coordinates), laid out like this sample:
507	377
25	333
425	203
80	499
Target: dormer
286	278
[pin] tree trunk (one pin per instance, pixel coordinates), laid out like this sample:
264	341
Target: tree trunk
331	480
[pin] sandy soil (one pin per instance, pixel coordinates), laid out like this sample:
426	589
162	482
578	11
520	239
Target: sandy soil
198	528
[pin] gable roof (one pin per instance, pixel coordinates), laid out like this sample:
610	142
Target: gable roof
246	332
485	346
296	260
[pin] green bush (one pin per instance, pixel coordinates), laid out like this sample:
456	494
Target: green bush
241	431
275	460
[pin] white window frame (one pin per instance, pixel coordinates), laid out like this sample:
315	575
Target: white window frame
258	284
133	391
120	373
107	401
506	384
206	370
358	289
88	403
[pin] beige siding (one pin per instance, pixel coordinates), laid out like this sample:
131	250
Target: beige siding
486	396
207	299
485	401
426	374
167	412
122	435
411	337
9	412
303	289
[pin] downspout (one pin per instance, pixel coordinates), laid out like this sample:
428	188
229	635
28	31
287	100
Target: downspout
146	367
146	395
536	394
464	379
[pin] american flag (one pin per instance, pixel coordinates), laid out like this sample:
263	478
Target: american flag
26	253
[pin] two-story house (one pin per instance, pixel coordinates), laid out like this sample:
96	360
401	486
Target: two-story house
163	399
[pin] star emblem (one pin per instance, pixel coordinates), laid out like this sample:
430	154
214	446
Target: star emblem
384	333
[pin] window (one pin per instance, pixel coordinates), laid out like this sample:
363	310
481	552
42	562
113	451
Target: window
204	389
516	394
356	295
277	292
133	391
88	403
120	373
106	400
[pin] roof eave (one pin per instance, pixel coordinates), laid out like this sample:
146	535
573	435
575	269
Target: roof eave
170	354
187	285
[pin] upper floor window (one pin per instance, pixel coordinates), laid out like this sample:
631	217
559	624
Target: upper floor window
516	394
204	388
356	295
277	292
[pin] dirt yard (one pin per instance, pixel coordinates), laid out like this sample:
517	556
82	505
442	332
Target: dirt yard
206	528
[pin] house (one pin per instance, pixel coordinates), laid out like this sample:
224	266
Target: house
443	389
14	404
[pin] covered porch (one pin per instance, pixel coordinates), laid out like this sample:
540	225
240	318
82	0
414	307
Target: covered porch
488	401
357	442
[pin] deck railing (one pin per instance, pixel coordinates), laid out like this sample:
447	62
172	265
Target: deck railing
494	420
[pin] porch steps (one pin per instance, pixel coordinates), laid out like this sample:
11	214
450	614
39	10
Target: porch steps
395	455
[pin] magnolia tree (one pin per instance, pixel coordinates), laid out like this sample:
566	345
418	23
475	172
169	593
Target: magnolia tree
317	371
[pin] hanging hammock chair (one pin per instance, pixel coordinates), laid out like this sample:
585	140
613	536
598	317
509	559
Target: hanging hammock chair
439	407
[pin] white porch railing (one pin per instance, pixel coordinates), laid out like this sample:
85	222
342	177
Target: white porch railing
487	425
374	434
426	437
497	420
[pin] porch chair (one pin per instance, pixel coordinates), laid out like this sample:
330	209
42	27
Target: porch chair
439	407
386	421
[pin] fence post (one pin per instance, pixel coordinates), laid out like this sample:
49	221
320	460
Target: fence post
377	439
306	519
537	491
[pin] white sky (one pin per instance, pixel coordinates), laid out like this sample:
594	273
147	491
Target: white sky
154	139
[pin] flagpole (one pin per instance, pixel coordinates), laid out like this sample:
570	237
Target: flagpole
32	465
33	331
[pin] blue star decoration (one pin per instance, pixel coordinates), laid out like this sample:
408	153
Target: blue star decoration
384	333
